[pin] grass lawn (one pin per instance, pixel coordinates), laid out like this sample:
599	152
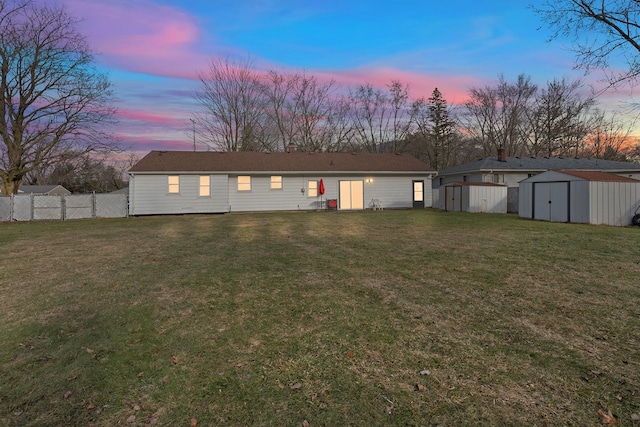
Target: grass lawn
401	318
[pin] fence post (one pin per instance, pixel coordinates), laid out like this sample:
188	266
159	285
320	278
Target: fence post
11	208
93	205
63	207
31	208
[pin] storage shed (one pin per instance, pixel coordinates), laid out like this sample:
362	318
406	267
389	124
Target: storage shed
579	196
484	197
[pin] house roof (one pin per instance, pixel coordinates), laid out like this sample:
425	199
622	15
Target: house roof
598	176
541	164
253	161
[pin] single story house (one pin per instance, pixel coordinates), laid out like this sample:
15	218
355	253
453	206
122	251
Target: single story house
580	196
180	182
47	190
482	197
509	171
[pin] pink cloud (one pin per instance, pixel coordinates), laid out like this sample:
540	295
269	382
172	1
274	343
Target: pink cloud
142	36
148	117
454	88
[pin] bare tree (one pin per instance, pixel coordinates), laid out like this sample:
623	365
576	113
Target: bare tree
281	111
602	31
497	116
558	118
233	99
380	118
609	137
53	101
300	107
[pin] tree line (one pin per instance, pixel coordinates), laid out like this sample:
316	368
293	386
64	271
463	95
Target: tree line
244	109
55	103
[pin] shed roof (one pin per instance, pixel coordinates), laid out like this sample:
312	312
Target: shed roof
598	176
541	164
253	161
475	184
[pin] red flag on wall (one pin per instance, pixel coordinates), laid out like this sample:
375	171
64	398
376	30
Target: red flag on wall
321	187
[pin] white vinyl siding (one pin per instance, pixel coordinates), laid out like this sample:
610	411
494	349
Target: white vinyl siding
148	195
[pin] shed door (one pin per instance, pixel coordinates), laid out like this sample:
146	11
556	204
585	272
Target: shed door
453	199
418	194
551	201
351	195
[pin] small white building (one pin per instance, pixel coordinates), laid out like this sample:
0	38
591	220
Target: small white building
507	170
483	197
184	182
580	196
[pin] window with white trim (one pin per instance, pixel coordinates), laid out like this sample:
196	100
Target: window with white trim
313	189
276	182
244	183
205	186
173	184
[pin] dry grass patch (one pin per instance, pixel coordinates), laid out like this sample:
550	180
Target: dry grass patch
394	317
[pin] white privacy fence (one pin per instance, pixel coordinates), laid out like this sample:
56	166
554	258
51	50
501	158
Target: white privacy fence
32	207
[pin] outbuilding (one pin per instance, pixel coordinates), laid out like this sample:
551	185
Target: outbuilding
180	182
482	197
579	196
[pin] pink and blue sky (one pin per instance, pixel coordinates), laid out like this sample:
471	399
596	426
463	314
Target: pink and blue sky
153	50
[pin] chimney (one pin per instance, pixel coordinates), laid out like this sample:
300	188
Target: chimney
292	148
502	154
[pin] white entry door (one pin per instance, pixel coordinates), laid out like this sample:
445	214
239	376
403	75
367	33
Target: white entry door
351	195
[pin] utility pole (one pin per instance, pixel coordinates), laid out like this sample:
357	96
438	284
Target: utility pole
193	122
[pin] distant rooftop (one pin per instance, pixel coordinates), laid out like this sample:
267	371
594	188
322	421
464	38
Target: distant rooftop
541	164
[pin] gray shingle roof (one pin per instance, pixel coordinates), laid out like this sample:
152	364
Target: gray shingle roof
540	164
252	161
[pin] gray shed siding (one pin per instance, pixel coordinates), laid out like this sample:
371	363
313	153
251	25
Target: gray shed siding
613	203
589	202
474	198
484	199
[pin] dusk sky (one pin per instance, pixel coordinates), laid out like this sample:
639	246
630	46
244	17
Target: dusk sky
153	50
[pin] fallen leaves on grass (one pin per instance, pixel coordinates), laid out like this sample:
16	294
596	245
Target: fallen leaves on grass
305	423
296	386
175	359
608	418
420	387
193	422
67	394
